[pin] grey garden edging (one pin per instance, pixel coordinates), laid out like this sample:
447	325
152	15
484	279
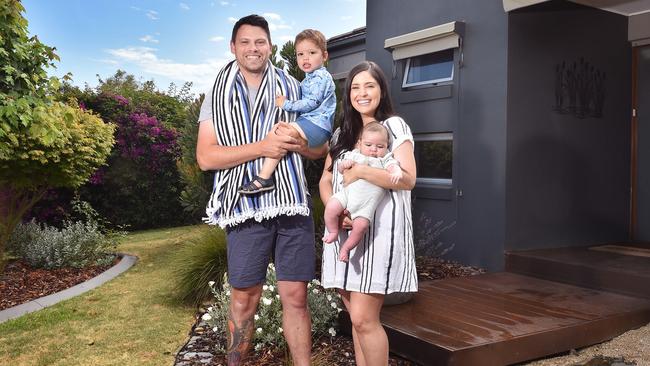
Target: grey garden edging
125	263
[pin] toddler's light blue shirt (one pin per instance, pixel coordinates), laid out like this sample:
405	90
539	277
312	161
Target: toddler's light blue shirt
318	100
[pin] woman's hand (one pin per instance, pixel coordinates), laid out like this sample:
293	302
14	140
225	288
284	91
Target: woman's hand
353	174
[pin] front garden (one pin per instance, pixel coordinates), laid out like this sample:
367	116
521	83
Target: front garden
135	319
79	170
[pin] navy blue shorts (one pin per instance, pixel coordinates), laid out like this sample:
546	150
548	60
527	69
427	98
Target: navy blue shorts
287	240
316	136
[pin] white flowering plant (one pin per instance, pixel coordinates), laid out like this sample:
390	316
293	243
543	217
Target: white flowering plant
324	306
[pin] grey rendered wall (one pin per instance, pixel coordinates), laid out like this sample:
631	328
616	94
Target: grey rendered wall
344	57
475	111
567	177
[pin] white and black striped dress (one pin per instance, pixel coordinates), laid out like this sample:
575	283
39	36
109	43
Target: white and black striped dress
384	261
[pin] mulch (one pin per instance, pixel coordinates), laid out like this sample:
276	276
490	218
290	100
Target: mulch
20	283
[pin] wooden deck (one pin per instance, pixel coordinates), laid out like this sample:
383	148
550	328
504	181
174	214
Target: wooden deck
603	267
506	318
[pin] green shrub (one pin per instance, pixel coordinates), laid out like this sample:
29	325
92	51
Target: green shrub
324	306
199	262
318	213
77	245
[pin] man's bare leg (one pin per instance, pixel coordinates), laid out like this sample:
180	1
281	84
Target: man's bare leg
296	320
243	304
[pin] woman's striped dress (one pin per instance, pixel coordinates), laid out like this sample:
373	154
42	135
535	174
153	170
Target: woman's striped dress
384	261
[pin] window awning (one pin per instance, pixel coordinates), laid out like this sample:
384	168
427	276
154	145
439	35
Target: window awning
434	39
509	5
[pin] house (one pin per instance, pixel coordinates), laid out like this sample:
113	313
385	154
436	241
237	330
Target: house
529	117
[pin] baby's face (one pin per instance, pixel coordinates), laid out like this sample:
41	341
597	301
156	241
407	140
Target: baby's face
373	144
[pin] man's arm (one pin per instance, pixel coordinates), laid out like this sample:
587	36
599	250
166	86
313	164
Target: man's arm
210	155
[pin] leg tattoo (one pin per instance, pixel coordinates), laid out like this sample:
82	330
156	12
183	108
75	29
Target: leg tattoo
239	339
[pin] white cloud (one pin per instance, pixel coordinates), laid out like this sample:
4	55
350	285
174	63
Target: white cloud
217	39
232	20
284	39
223	3
272	16
201	74
152	14
184	6
276	22
346	17
148	38
105	61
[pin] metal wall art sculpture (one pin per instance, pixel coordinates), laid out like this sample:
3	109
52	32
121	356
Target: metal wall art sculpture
579	89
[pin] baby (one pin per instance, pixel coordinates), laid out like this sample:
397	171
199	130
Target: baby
316	107
360	198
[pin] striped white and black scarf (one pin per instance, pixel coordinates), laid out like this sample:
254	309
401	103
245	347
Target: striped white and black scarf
237	122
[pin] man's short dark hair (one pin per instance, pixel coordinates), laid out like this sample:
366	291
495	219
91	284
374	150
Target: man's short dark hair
254	20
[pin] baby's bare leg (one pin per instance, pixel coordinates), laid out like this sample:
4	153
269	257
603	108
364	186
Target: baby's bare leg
359	227
333	210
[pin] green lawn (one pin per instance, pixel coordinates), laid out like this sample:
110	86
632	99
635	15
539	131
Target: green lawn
130	320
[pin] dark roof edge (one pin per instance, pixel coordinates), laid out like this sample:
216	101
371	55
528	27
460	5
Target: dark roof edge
347	39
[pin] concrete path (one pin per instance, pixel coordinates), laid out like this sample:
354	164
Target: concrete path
125	263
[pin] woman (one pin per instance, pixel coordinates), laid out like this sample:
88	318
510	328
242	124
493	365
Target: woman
384	261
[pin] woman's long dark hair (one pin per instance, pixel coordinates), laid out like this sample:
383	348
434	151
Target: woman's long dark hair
352	124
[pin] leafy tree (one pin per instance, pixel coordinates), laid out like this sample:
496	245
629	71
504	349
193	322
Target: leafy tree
274	58
197	184
288	53
43	143
140	187
169	108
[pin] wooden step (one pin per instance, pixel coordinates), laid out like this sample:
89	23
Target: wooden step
504	318
601	267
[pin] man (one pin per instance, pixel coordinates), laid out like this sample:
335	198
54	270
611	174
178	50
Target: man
238	128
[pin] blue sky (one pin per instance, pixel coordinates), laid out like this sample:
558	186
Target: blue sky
170	40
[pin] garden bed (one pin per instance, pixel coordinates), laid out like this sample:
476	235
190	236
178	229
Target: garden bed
20	283
336	350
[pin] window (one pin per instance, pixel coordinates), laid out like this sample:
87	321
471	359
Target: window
431	68
433	156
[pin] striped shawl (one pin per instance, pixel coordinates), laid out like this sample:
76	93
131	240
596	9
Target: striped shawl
236	122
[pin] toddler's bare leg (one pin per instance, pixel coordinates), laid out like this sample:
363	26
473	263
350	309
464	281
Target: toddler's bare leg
359	227
269	163
333	210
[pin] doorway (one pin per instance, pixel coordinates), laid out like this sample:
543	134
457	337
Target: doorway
640	205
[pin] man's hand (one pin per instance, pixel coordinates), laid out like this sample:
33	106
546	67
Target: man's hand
285	129
279	100
276	145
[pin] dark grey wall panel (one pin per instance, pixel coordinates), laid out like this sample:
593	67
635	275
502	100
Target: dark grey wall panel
475	112
567	175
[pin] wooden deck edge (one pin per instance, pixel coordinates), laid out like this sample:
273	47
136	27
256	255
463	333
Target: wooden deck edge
533	346
573	274
511	351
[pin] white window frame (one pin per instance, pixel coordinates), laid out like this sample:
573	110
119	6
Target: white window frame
406	84
437	136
